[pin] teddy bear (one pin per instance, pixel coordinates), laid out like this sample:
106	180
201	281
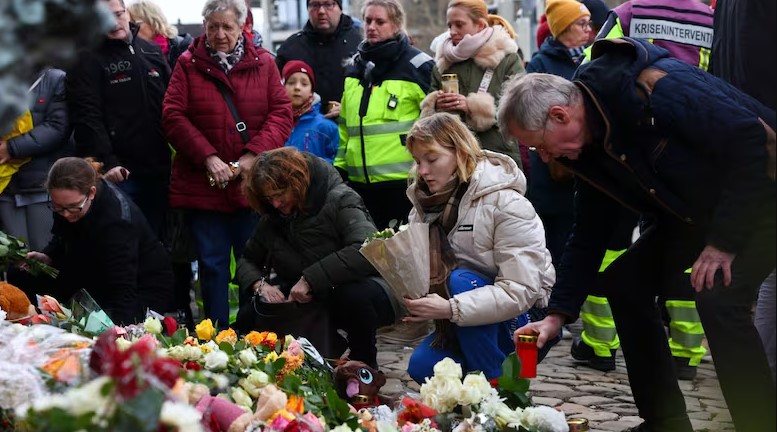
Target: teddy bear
15	302
358	383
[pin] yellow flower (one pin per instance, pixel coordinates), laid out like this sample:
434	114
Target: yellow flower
205	330
270	340
254	338
227	335
271	357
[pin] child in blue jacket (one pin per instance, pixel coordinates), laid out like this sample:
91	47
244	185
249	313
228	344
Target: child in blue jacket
312	132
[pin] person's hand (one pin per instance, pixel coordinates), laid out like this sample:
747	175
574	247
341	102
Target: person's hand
546	329
301	292
5	157
451	102
245	162
39	256
219	170
430	307
271	293
117	174
710	260
334	110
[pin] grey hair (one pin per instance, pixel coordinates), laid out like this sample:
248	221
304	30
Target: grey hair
238	6
393	8
527	98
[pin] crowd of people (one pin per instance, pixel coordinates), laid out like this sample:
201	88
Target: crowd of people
624	174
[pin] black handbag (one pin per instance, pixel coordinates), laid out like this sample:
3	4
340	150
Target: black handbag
309	320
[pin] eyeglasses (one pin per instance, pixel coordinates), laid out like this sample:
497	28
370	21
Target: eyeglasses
74	209
584	24
541	148
314	6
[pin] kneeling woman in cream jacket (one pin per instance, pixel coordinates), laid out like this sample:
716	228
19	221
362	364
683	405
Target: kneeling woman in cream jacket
488	260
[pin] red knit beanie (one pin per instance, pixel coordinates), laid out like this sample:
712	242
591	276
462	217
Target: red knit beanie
295	66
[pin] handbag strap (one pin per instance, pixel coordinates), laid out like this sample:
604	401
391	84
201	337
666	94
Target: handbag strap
240	125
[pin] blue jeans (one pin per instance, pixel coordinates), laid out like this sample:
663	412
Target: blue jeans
216	235
482	348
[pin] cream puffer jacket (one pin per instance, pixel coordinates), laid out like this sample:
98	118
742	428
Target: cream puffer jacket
499	235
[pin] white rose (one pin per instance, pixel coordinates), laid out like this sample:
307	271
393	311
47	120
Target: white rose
177	352
180	416
342	428
241	398
192	352
544	419
152	325
474	389
216	360
441	393
447	368
247	357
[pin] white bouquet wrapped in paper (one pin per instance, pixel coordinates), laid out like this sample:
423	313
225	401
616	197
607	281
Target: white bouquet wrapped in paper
402	258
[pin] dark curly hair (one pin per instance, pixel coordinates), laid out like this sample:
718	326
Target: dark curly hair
274	172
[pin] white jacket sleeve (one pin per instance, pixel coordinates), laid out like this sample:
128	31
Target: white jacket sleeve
525	273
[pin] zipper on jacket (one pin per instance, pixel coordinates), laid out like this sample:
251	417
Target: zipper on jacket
132	50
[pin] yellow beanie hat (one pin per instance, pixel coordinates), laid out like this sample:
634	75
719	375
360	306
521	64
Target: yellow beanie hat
562	13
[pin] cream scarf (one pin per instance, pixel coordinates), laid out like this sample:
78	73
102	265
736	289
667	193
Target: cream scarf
467	48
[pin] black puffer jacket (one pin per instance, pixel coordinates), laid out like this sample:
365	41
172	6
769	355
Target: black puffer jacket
178	45
322	243
325	54
46	141
112	253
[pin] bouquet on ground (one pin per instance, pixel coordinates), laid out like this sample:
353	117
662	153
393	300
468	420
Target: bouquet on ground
402	258
475	404
84	316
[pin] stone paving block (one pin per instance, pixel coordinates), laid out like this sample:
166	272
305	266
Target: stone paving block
569	382
706	425
590	401
723	416
599	416
622	409
623	424
598	390
692	403
625	398
584	375
718	403
624	389
573	409
551	402
700	415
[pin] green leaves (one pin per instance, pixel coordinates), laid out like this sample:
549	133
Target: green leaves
14	251
510	386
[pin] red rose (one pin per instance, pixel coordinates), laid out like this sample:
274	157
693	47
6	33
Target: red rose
170	325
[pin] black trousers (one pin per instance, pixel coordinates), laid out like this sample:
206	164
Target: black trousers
631	284
360	308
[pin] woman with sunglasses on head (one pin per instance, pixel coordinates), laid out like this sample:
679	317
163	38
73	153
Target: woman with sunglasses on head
103	243
550	185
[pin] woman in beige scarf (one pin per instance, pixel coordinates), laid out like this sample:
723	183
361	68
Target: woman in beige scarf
488	260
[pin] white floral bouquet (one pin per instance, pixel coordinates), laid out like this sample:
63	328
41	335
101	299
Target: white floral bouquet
402	258
480	403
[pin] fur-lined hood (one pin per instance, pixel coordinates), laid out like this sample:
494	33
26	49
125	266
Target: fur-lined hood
489	55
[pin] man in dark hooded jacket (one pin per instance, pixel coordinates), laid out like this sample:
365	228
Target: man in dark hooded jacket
695	156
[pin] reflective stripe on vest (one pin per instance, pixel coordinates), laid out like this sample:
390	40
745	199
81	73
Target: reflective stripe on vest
609	257
599	326
685	331
378	129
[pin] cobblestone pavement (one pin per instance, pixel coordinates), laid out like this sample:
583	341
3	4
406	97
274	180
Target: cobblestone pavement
603	398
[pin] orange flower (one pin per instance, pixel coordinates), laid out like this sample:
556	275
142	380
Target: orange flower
295	404
270	340
293	362
227	335
254	338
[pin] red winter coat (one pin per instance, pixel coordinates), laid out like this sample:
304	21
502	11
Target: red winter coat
198	122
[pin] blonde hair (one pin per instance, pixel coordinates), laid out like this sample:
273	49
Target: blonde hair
447	131
151	14
393	8
478	10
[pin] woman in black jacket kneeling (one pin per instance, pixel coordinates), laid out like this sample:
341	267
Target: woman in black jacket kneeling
103	243
310	232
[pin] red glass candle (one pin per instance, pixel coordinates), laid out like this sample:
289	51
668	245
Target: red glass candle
527	352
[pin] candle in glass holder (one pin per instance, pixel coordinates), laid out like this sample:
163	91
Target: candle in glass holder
578	425
527	352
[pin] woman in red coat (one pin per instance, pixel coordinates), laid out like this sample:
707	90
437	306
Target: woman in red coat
213	146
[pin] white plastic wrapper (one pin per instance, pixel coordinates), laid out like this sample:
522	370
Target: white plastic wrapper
403	261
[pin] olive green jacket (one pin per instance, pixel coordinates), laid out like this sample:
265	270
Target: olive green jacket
499	53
